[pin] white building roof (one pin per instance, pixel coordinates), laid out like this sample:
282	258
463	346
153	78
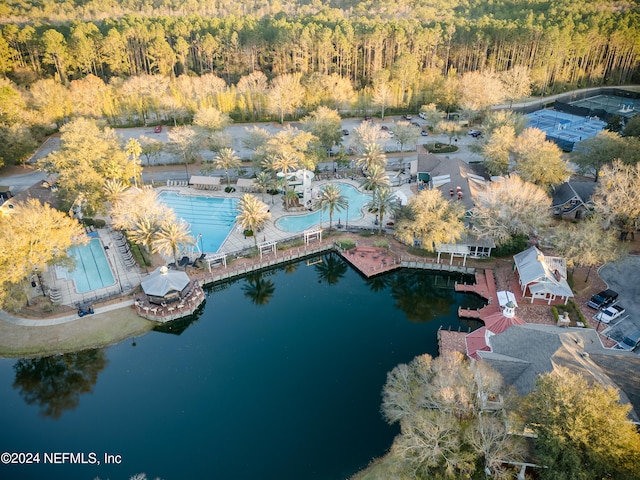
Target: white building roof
548	274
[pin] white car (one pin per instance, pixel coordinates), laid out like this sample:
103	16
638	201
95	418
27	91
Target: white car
610	313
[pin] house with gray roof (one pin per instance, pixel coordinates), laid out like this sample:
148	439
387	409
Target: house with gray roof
542	276
523	352
572	199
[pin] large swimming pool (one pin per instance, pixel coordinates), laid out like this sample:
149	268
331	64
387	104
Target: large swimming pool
213	217
92	270
298	223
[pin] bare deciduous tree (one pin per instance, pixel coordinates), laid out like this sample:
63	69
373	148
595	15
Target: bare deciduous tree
617	197
586	244
509	208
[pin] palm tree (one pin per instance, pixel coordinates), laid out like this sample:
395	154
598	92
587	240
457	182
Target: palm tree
372	156
332	199
170	237
263	181
376	178
285	162
226	160
144	232
290	198
253	214
114	189
383	201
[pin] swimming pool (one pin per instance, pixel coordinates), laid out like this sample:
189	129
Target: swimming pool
212	217
92	270
298	223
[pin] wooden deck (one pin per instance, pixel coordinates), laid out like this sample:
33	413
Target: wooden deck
485	286
370	261
185	307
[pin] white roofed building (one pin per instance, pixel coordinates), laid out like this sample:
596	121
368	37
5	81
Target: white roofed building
541	276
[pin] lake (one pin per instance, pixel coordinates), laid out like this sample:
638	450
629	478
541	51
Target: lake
278	378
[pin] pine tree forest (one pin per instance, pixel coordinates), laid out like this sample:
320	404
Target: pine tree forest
138	61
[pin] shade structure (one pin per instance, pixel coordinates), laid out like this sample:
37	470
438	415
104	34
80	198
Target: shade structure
165	285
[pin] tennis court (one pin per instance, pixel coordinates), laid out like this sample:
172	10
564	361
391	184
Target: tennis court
625	107
563	128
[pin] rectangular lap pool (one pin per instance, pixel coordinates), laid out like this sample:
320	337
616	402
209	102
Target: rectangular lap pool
92	270
212	217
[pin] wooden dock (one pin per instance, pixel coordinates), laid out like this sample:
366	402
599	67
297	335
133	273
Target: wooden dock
485	286
368	260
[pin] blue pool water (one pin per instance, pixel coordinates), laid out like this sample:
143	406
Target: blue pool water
212	217
298	223
92	270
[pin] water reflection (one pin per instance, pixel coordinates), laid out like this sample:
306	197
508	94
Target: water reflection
422	297
379	282
56	383
331	268
258	289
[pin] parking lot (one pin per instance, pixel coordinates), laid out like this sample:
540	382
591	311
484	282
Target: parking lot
624	277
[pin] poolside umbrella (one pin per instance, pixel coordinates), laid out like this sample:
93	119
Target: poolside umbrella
165	285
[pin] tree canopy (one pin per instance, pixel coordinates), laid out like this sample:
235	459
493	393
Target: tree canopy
510	207
33	236
583	430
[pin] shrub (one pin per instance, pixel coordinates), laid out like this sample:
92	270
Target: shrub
248	232
93	222
346	244
515	244
381	244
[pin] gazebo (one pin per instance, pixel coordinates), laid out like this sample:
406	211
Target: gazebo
165	286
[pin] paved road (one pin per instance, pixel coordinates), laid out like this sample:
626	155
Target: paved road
624	277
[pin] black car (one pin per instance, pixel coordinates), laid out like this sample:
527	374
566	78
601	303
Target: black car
603	299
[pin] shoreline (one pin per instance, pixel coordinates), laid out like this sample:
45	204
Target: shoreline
99	330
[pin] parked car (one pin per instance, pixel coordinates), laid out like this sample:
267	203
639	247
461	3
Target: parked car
610	313
384	127
158	129
630	342
475	133
425	133
603	299
422	115
345	132
367	118
415	124
407	117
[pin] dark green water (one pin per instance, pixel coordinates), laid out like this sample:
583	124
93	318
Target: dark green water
278	379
